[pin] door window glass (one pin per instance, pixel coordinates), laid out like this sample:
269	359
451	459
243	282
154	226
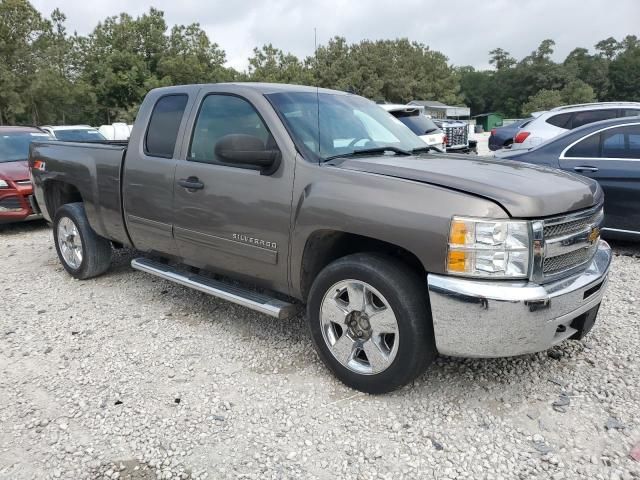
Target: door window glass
586	148
590	116
622	142
164	124
222	115
630	113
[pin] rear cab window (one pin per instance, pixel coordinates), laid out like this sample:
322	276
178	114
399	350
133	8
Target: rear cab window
162	132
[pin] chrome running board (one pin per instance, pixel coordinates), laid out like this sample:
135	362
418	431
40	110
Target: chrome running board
232	293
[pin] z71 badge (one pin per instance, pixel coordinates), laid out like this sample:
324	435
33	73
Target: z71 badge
240	237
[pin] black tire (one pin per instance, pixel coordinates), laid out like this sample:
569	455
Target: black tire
96	250
406	293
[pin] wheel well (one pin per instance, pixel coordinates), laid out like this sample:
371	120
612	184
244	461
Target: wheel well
325	246
58	193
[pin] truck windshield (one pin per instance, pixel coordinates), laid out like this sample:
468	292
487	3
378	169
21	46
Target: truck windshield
79	135
417	123
15	146
326	125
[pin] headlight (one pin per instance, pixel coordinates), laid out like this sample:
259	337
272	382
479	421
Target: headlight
488	248
3	184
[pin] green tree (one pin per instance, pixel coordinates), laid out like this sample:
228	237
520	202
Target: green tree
624	75
591	69
501	59
22	31
543	100
577	91
270	64
608	48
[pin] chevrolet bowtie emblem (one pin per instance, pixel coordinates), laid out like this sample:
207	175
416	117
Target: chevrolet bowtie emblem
594	235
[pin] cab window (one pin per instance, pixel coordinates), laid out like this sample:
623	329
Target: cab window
222	115
164	124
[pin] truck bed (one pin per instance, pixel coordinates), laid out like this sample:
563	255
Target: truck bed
95	169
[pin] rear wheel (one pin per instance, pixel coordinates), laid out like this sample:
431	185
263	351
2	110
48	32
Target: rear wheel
370	321
82	252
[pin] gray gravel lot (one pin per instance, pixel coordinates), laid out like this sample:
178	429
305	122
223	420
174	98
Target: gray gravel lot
129	376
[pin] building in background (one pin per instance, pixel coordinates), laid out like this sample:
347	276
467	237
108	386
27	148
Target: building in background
440	110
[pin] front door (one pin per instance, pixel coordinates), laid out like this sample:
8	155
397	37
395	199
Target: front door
612	157
232	219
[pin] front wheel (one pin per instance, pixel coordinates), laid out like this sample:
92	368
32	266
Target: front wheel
82	252
370	321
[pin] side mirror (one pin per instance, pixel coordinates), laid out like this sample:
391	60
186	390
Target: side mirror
241	149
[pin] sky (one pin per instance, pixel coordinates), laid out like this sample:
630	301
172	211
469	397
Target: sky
464	30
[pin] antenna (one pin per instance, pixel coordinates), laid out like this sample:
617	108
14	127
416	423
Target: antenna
315	49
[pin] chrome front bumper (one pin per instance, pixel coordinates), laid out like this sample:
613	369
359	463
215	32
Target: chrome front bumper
479	318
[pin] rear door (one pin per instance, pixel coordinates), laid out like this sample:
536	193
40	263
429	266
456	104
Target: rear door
150	165
612	157
235	220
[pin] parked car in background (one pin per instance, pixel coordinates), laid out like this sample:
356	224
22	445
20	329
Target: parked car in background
502	137
74	133
607	151
557	121
413	117
399	252
456	134
116	131
15	185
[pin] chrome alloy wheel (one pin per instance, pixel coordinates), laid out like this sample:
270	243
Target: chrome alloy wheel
70	243
359	327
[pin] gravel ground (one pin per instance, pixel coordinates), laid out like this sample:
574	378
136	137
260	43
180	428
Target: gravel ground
129	376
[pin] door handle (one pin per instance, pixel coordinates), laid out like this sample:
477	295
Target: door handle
585	168
191	183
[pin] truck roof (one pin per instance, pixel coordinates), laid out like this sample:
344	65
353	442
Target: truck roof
264	88
69	127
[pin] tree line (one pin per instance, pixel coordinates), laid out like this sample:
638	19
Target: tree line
49	76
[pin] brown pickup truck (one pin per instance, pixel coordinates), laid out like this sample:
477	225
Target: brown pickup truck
274	195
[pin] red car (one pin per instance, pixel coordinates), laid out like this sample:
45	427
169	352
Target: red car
15	185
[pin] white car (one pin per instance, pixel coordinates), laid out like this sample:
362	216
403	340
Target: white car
550	124
414	118
116	131
74	133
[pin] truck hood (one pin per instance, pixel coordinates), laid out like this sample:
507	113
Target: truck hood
523	190
14	171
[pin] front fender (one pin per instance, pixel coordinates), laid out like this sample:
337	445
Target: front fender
412	215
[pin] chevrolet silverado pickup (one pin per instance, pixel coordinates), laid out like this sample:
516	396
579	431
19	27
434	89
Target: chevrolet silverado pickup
272	196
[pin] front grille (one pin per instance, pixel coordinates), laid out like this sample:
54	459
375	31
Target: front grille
560	229
567	261
456	136
10	203
570	242
23	182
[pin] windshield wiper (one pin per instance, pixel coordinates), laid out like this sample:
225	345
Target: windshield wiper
430	130
367	151
428	148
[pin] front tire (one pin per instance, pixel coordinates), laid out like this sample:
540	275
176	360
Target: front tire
370	321
82	252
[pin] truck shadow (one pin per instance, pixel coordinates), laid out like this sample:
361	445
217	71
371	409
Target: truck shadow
22	227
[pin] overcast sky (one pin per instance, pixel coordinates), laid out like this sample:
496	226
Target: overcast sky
464	30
